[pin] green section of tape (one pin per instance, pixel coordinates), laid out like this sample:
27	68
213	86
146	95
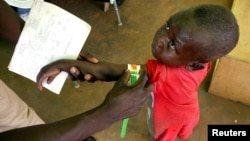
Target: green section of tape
134	75
124	127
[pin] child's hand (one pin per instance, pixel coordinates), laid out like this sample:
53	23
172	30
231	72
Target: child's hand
49	71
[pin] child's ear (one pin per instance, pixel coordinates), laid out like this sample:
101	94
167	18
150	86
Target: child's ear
195	66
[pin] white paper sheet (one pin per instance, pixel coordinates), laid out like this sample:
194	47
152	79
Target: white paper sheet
50	33
20	3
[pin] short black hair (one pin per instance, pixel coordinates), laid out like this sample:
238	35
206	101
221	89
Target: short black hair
222	29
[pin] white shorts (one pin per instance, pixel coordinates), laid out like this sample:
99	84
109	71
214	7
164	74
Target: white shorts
14	112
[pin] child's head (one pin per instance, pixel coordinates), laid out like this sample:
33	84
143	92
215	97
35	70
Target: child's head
197	34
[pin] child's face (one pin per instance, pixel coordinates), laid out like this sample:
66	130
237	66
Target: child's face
177	41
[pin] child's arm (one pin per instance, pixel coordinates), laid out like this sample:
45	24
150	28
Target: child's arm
101	71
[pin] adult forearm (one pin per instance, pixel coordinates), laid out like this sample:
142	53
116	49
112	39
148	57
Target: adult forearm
11	24
71	129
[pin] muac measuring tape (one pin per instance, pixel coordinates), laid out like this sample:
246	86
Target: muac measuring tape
134	75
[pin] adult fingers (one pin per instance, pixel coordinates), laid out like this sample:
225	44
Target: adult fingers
84	55
149	88
75	74
124	78
141	82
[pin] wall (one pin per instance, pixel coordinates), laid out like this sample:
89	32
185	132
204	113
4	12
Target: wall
231	78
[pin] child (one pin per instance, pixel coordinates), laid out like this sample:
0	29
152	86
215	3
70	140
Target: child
184	48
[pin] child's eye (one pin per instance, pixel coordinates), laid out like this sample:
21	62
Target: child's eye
167	26
171	45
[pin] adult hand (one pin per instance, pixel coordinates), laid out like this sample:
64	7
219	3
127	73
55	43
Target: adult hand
84	55
121	102
126	101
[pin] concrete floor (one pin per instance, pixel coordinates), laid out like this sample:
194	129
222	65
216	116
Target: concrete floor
129	43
